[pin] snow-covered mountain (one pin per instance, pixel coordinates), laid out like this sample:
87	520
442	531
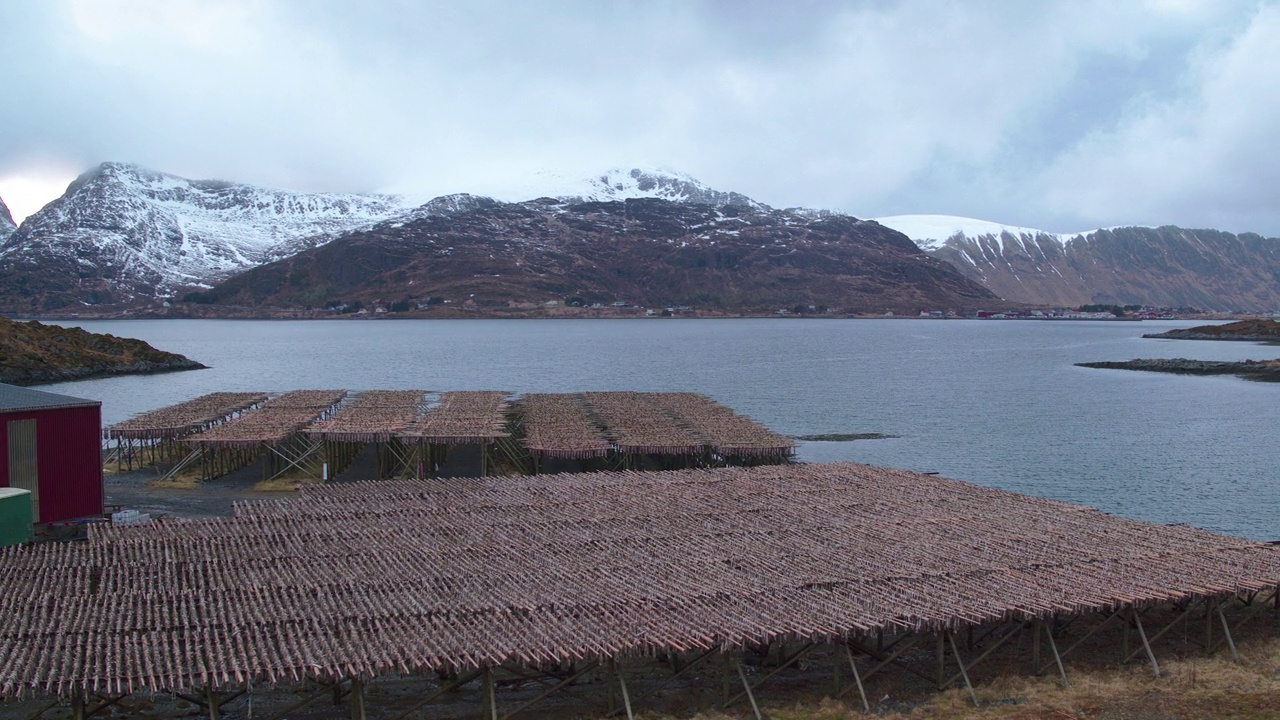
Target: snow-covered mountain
121	230
1167	266
7	225
624	184
126	234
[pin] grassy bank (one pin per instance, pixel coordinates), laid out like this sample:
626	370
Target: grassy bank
1190	688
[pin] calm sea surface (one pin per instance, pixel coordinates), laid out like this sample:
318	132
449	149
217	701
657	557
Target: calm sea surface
996	403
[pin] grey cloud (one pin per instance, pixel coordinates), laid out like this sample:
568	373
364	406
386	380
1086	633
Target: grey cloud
1037	114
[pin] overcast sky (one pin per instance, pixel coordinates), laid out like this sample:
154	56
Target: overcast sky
1058	115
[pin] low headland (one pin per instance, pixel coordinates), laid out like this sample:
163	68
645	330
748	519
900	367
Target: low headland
1251	330
32	353
1264	370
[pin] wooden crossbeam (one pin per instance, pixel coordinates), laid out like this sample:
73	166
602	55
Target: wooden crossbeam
296	460
1057	658
781	666
890	659
588	667
747	691
1253	612
1226	630
857	679
1082	639
1003	639
304	702
1137	620
668	680
1169	627
955	652
456	683
183	464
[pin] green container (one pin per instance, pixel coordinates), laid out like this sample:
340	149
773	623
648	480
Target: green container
15	516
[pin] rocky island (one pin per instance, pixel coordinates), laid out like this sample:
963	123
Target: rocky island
1252	330
1265	370
32	353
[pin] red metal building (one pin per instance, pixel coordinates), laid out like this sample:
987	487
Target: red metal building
50	444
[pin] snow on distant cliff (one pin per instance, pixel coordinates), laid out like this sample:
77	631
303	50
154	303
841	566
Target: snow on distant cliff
623	184
149	232
931	232
7	225
1165	266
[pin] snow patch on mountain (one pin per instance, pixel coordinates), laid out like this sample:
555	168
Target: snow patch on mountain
441	206
623	184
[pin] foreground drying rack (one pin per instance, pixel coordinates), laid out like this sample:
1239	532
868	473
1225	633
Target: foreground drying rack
469	578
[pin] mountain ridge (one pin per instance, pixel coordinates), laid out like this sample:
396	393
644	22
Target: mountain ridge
127	236
645	251
1165	266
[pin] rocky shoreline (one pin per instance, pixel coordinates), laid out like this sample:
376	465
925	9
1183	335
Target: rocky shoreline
1264	370
1256	330
45	377
32	353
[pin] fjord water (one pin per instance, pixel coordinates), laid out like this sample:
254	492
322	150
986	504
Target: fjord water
997	403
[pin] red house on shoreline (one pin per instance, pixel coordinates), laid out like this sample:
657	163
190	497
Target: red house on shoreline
50	444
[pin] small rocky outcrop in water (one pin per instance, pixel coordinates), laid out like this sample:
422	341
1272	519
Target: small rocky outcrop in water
1267	370
32	353
1254	330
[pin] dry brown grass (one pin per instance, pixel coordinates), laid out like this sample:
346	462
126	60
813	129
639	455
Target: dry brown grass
286	483
188	480
1196	687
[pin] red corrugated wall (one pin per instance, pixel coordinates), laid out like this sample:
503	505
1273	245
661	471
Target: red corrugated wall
68	459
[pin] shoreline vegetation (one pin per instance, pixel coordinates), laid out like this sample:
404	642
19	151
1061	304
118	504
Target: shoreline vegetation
32	353
463	312
1261	370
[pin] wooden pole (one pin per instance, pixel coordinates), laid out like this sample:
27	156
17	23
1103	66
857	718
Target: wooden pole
862	693
750	696
613	694
1208	624
942	662
1035	646
1137	620
1227	631
725	682
357	699
955	652
490	694
1053	645
626	696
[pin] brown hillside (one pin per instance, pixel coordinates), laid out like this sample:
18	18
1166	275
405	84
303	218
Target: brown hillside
33	353
649	252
